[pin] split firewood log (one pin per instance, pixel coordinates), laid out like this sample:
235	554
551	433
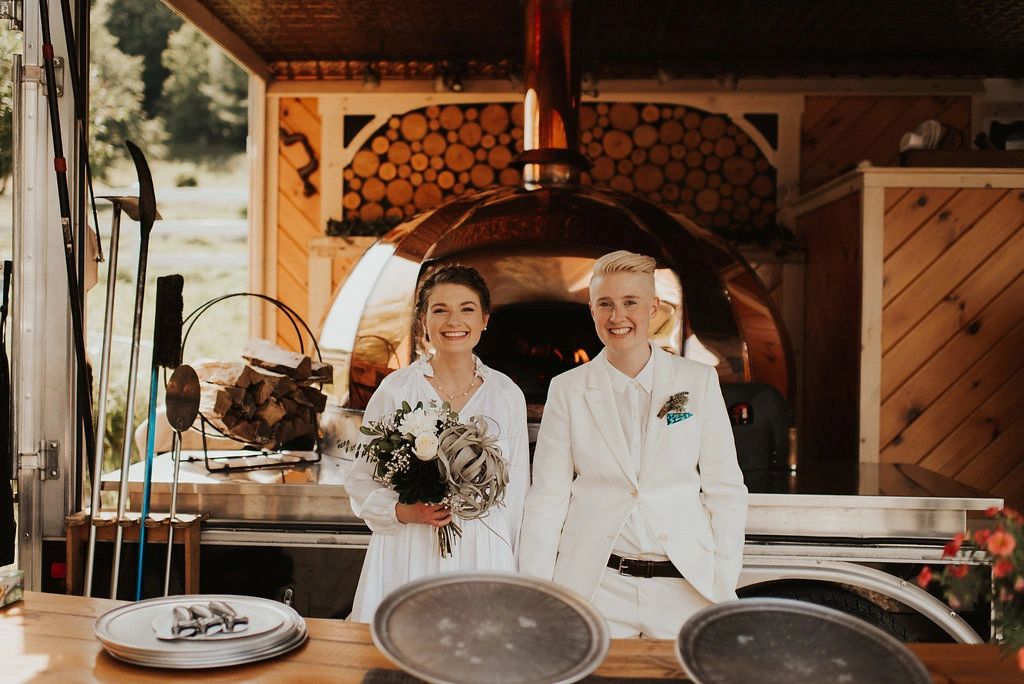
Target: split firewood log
227	373
264	354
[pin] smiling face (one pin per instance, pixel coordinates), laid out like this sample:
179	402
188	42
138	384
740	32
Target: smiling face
454	318
622	305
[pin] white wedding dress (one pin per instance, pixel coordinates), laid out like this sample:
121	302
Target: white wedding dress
400	553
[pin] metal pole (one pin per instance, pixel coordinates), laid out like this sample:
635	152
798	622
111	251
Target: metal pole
101	417
129	417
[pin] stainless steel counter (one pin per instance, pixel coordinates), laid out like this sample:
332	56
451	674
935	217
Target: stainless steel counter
303	504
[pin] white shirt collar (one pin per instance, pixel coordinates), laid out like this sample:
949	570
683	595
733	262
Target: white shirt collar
645	378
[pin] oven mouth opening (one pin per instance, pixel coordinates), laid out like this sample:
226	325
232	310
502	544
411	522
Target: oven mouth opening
532	342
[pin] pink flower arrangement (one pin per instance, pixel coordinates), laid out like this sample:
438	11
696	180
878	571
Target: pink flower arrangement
1002	584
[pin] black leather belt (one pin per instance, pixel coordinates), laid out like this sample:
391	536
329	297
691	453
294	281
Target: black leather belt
633	567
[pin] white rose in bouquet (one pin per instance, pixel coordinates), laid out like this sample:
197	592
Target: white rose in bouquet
426	447
418	423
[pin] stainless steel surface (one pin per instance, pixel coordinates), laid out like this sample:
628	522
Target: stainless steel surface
791	642
101	402
182	399
790	565
883	501
490	628
867	500
304	493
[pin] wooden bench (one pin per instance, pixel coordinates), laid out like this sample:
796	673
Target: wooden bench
186	533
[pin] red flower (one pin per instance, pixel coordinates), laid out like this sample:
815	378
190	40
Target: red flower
992	511
981	537
1011	514
958	571
1002	568
1020	658
1001	543
953	547
925	578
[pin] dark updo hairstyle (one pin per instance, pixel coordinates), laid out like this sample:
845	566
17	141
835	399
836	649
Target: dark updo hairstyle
453	274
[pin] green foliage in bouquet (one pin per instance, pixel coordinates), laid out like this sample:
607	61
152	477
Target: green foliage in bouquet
1002	584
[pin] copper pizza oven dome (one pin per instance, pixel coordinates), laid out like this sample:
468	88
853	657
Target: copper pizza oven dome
535	245
535	248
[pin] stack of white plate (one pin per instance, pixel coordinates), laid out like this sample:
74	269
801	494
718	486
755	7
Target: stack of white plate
129	633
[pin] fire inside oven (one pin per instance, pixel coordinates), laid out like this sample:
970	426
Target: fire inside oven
533	342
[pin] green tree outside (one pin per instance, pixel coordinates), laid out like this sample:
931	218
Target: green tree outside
115	102
10	44
204	98
142	28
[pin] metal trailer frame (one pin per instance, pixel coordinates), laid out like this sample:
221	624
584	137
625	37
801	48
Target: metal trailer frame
47	468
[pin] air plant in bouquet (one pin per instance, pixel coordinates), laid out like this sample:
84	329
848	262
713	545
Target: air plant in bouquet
1002	583
426	455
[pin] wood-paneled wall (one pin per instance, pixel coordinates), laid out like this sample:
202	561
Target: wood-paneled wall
830	427
298	216
839	132
953	329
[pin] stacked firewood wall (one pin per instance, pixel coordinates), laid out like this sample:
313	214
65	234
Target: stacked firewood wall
688	161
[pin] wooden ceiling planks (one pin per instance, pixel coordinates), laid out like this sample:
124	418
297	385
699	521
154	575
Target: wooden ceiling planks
846	38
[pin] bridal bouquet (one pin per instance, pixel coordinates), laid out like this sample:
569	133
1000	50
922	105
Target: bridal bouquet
426	455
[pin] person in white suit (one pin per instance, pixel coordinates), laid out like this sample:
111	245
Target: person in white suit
638	502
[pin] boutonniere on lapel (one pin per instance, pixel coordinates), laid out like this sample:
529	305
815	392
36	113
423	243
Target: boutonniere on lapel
674	409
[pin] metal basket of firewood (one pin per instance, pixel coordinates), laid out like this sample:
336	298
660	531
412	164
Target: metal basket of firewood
268	400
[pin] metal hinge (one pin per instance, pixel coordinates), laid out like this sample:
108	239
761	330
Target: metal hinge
14	12
34	73
45	460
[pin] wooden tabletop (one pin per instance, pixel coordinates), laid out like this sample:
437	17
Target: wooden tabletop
48	637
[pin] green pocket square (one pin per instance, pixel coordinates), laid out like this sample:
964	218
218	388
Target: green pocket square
676	417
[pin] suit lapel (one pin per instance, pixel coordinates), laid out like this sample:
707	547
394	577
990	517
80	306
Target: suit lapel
663	387
601	403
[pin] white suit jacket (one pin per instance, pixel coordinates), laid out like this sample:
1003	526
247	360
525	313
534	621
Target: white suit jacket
690	489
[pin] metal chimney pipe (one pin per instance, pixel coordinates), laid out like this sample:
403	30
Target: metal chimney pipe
551	108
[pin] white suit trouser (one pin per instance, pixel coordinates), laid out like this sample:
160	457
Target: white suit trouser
654	607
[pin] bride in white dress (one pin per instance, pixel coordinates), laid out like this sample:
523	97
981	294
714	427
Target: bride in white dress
453	306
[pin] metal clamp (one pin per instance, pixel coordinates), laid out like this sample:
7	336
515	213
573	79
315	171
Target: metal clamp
45	460
14	12
35	73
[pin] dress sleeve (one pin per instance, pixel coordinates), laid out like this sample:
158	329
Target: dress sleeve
370	500
518	468
721	481
547	503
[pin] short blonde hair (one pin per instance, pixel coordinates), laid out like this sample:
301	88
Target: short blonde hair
622	261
